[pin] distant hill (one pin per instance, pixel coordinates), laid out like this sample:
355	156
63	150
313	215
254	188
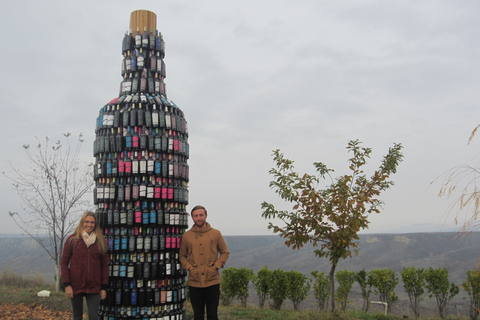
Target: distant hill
392	251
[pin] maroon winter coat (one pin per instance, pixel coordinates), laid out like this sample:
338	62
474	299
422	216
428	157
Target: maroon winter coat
85	269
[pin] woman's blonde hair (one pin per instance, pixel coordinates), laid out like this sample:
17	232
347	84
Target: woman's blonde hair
77	234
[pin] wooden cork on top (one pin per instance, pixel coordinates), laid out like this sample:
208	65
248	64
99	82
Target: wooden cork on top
142	19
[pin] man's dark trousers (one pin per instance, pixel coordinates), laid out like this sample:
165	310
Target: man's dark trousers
208	297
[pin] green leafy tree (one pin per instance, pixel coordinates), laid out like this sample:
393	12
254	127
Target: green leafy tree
472	287
243	276
365	284
438	285
384	281
345	280
227	289
332	217
51	188
262	282
235	285
278	289
298	287
321	289
414	284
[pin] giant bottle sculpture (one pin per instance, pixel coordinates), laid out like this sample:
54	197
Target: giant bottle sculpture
141	176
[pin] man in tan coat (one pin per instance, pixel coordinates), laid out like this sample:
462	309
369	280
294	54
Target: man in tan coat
203	252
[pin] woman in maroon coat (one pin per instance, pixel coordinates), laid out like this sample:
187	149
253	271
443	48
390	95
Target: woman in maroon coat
84	266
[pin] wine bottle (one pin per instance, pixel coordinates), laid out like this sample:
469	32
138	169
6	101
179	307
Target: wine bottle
138	39
161	240
143	140
131	265
122	271
154	239
157	41
151	140
130	217
135	189
161	118
160	220
131	248
122	213
135	83
157	191
156	84
162	46
135	142
140	114
133	115
128	63
153	61
166	214
139	247
150	164
118	294
158	169
125	295
145	38
133	296
168	238
133	57
150	84
129	41
150	189
138	214
147	247
116	217
143	81
148	117
145	216
140	60
151	41
157	141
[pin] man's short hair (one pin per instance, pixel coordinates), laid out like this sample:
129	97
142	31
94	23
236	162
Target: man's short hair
198	207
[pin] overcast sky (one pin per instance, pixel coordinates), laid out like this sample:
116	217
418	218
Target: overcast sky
304	77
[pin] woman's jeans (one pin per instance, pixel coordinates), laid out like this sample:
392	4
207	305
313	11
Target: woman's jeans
93	303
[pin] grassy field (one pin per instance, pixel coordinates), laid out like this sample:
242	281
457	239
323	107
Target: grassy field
19	301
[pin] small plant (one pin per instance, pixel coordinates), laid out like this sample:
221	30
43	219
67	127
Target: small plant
235	285
438	285
345	280
365	284
472	287
414	284
278	289
262	283
384	281
298	287
10	278
321	289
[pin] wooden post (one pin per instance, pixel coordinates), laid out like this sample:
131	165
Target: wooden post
142	19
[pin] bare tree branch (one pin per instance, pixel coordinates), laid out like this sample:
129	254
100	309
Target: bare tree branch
52	192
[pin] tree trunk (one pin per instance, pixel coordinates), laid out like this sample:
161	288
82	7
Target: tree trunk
332	286
57	278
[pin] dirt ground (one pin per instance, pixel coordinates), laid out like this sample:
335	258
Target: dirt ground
10	311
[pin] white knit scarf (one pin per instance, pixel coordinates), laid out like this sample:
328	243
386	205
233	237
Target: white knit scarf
89	238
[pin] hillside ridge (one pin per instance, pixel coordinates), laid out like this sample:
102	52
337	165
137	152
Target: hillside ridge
392	251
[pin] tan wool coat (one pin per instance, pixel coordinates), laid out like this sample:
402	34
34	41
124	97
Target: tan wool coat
202	253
